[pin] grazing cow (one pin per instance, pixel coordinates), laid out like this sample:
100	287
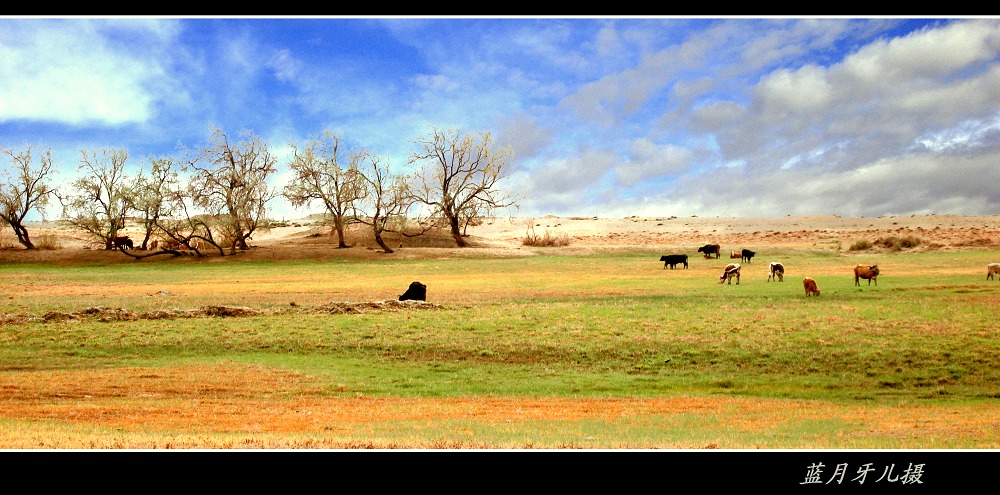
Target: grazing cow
992	269
866	272
710	249
747	254
674	259
732	270
810	285
123	242
416	292
735	254
776	271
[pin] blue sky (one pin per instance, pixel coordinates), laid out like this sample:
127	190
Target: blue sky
604	116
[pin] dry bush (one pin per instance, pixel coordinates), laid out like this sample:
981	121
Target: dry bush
896	243
544	240
862	245
47	241
891	243
7	241
982	242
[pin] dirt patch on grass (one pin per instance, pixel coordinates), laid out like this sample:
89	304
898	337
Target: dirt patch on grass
254	406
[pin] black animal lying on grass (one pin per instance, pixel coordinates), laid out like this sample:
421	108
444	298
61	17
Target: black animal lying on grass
416	292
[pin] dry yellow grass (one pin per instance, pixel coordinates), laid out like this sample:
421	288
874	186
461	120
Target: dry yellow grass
239	406
244	406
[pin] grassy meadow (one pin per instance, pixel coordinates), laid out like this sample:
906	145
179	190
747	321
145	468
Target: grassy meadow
604	351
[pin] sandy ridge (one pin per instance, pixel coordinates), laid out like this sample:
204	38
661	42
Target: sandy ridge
504	236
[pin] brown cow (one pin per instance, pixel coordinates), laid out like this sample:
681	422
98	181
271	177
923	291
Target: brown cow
735	254
810	285
710	249
122	242
992	269
866	272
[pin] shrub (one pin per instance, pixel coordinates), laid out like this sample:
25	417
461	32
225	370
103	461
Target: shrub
47	241
892	243
545	240
861	245
896	243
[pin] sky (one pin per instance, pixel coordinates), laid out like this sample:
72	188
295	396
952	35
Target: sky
602	116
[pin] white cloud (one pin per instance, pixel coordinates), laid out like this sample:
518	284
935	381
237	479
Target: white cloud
285	66
649	160
71	72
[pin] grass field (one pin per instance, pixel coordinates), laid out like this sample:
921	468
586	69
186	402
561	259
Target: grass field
606	351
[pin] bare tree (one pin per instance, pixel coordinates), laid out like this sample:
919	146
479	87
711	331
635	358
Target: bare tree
162	204
386	201
170	208
320	177
230	185
147	199
102	196
459	178
24	189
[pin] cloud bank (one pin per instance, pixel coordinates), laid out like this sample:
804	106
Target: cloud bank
603	117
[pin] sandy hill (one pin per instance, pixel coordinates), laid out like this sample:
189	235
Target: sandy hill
504	236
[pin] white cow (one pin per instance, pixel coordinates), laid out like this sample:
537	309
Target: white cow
992	269
732	270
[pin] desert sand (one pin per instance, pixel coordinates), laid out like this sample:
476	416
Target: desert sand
504	236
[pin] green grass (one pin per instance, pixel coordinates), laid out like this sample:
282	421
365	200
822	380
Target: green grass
611	325
600	326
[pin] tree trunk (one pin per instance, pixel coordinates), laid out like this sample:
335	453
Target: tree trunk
340	234
456	232
378	239
22	236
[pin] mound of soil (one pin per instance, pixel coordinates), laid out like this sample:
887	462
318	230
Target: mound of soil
101	313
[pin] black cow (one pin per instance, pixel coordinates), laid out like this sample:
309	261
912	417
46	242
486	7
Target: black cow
710	249
416	292
747	254
674	259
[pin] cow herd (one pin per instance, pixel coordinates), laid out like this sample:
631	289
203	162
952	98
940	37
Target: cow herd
776	270
124	242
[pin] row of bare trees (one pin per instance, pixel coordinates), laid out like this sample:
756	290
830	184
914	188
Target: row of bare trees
216	197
